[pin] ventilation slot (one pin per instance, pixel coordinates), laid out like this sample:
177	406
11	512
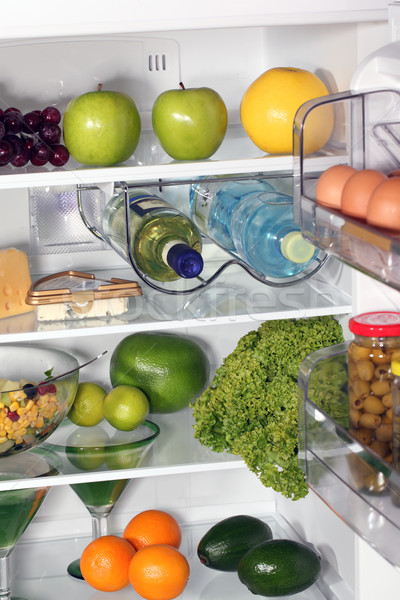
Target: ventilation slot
157	61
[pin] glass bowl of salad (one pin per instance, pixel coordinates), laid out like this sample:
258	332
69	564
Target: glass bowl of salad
33	399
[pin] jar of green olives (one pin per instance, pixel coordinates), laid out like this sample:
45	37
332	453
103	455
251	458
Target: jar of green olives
395	366
376	343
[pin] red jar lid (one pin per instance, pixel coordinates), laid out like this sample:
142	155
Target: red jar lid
376	324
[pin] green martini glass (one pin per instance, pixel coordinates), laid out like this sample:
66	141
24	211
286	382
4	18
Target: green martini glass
102	449
19	506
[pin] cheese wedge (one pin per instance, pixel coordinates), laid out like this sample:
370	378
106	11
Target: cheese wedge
15	281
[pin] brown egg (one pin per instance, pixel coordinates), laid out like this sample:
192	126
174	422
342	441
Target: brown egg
358	191
395	173
384	206
331	183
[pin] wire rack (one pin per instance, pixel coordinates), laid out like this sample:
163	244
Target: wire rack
92	220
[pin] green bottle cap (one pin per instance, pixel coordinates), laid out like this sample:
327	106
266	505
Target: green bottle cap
295	248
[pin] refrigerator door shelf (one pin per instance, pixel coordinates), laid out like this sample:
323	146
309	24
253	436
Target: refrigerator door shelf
349	477
368	124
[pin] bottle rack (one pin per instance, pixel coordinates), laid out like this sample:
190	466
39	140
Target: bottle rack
367	136
348	476
92	219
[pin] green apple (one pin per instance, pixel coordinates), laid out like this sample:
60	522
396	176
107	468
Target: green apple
101	128
191	123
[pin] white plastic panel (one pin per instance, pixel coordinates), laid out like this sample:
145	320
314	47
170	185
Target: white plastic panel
140	67
77	17
190	494
375	577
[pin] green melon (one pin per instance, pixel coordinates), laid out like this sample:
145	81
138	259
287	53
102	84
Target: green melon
171	369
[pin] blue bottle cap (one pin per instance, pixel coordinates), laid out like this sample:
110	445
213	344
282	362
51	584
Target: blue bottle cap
185	261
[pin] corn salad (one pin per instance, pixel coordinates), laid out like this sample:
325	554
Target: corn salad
27	411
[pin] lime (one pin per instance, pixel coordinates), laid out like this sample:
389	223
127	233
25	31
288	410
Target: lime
126	407
86	448
123	459
86	459
87	408
171	369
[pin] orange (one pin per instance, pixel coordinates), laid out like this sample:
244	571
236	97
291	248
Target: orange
153	527
105	563
159	572
269	105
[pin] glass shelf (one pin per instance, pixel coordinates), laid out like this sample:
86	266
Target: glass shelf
236	155
235	298
359	486
174	451
368	124
120	61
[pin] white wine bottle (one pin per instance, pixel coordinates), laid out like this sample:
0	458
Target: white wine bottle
165	244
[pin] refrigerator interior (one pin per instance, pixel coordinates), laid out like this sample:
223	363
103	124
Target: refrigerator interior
196	485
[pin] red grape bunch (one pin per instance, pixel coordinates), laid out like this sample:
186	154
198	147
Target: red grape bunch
34	136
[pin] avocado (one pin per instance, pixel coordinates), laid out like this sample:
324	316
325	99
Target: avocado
279	567
223	545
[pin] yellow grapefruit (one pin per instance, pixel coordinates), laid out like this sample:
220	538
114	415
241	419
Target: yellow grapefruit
269	105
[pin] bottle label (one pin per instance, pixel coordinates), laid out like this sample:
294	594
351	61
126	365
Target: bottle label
201	205
142	205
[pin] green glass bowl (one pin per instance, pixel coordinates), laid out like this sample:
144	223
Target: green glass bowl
102	447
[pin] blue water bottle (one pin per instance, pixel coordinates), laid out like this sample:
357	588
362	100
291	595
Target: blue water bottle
213	202
257	226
